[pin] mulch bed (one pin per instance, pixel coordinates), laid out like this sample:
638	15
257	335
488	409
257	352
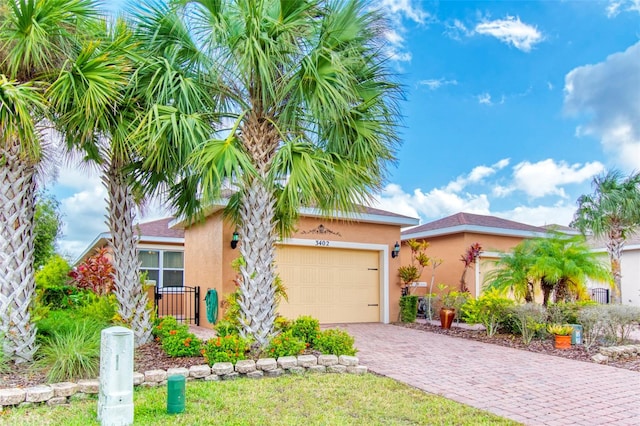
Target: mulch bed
152	357
541	346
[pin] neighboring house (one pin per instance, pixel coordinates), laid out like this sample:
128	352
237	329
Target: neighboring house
337	269
630	268
451	236
160	250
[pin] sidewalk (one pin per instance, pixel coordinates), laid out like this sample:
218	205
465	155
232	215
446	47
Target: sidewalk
527	387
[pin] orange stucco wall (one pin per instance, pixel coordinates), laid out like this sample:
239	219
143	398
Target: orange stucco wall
208	254
450	248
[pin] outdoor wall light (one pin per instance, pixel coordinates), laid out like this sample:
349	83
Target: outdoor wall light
396	250
234	239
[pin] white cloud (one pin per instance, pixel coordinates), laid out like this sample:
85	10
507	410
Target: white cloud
546	177
559	214
399	11
434	84
614	7
608	95
511	31
457	29
484	99
476	175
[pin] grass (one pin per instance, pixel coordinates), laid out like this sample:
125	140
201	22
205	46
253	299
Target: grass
311	399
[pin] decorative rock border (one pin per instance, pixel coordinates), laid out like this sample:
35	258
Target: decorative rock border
61	393
613	353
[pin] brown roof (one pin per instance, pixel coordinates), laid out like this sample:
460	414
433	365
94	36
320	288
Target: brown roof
159	228
475	220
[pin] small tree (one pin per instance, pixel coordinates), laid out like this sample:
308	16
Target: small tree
468	258
419	260
47	228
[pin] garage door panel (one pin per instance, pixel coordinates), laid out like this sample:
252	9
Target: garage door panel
333	285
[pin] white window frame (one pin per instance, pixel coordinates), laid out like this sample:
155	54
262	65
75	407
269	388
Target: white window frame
161	268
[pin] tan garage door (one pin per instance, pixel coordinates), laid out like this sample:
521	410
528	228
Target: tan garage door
333	285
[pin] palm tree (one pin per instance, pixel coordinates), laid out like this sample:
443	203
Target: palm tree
94	103
563	263
512	273
35	37
308	113
612	212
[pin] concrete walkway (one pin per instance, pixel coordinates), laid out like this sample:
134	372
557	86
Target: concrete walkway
527	387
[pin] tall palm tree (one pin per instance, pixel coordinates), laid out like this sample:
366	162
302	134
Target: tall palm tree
95	109
35	37
611	212
308	113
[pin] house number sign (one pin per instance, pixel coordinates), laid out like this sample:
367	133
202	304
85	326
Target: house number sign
322	243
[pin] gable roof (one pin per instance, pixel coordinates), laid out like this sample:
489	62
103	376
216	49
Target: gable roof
159	228
469	222
363	214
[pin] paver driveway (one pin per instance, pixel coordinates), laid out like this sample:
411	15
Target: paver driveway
528	387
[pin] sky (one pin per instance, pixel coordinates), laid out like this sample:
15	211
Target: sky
511	108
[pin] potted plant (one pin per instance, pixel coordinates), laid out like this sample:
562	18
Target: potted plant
409	274
562	333
450	301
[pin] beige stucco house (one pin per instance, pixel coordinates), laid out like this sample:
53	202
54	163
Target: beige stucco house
450	237
337	269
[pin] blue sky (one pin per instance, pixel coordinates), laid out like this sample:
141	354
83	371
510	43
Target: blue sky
511	108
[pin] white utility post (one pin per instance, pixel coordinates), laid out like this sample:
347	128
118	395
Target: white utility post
115	400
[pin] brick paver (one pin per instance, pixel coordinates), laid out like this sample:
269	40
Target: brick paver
528	387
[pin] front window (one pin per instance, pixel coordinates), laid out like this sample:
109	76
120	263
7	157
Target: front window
165	268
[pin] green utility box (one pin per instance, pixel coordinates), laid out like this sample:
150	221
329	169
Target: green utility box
576	336
175	394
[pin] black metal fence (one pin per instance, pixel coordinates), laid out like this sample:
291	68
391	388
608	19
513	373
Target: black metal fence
600	295
181	302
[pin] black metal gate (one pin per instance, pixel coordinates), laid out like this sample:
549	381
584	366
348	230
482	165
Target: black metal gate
600	295
183	303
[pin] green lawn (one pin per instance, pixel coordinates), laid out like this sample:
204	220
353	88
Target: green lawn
320	399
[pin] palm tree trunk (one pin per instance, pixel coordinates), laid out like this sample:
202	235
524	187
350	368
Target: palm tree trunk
547	289
132	299
17	284
614	247
257	290
561	291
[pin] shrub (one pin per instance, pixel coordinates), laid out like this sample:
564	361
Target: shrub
225	328
335	342
594	320
101	308
71	354
306	328
230	348
96	273
281	324
62	297
181	344
408	308
529	320
285	344
566	312
622	318
167	326
490	310
54	273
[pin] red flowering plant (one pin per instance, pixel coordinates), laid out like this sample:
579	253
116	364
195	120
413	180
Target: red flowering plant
96	273
230	348
468	258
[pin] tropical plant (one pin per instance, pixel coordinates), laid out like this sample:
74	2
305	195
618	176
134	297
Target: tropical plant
306	328
94	100
95	273
512	273
419	260
563	263
230	348
560	329
468	258
181	344
285	344
309	111
35	37
47	228
611	213
490	310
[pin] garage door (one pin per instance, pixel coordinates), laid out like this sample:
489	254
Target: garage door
333	285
